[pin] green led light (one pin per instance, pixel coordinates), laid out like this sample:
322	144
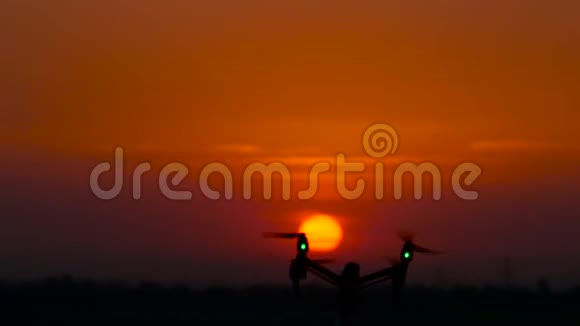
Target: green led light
407	255
303	246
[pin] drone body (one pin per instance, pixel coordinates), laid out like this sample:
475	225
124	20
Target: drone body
349	282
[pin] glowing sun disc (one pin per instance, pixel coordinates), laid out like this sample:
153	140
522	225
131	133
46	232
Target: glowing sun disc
323	231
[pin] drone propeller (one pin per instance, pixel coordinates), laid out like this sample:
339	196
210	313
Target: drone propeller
425	250
281	235
408	238
405	236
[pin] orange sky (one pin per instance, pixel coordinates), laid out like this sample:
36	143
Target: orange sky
494	83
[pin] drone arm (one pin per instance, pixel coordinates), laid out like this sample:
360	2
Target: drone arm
377	277
322	272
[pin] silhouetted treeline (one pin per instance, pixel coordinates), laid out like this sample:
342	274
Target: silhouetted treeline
90	301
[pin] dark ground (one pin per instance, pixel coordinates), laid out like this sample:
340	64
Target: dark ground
87	302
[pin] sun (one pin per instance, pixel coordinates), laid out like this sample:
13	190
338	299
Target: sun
323	231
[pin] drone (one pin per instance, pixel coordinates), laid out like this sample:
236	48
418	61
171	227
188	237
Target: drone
349	282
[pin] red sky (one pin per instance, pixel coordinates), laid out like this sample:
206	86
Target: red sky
494	83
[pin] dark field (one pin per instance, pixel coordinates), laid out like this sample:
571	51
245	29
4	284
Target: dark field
87	302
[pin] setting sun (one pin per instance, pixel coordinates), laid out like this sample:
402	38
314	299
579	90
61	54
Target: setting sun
323	231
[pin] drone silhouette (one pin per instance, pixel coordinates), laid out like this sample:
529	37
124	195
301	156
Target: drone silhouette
349	283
